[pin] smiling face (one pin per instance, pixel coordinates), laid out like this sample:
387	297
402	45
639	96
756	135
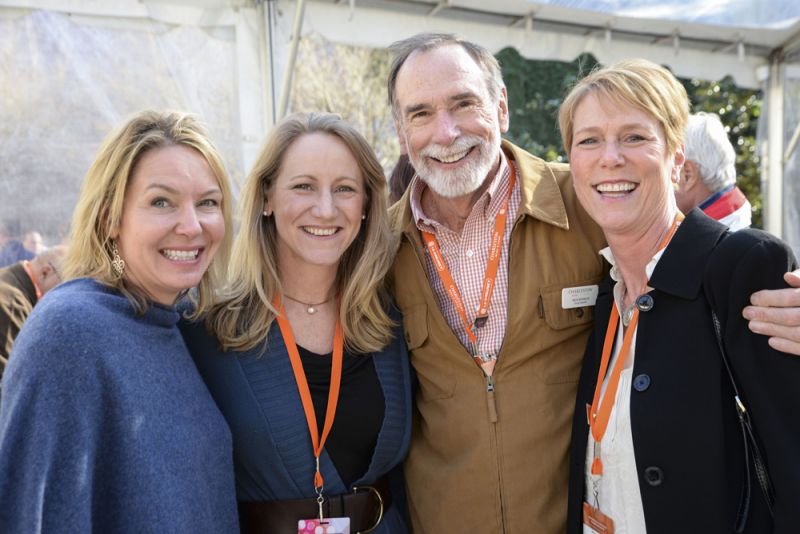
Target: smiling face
448	123
172	222
317	201
622	169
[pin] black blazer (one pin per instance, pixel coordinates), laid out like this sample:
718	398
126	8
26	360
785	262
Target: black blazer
687	442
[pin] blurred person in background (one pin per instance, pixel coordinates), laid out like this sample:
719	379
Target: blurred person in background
13	250
708	177
21	286
32	241
105	423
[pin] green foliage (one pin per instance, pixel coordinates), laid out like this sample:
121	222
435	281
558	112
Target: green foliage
536	89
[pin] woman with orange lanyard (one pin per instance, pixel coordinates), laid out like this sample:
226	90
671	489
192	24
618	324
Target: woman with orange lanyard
307	360
657	443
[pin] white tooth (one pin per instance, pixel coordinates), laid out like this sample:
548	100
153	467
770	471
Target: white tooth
320	231
181	255
616	187
453	157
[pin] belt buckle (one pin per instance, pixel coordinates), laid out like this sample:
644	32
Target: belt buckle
377	494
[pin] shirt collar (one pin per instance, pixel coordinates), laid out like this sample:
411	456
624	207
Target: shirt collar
716	196
615	274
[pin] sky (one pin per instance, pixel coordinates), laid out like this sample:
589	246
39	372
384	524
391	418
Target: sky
748	13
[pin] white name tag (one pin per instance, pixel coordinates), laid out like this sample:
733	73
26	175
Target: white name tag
578	297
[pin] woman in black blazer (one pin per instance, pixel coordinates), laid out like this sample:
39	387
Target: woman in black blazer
657	444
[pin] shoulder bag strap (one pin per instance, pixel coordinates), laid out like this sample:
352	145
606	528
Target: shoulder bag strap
751	450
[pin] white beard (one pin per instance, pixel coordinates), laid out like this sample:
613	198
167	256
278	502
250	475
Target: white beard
457	183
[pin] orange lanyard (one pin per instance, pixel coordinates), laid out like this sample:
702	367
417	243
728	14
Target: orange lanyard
27	265
489	275
600	411
317	441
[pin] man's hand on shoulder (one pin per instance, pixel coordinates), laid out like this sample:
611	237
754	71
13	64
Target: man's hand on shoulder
776	313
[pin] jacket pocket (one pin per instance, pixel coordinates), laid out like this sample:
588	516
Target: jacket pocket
436	380
554	313
564	334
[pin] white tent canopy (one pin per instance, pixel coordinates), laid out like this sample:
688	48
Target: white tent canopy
227	59
553	32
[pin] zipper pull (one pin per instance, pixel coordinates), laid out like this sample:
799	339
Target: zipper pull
490	399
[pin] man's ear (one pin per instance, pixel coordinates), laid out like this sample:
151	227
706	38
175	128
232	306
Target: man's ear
502	110
400	137
47	270
690	175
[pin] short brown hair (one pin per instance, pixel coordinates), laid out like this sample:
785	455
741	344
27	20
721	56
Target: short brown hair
638	83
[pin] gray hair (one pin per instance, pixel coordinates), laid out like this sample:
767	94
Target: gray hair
428	41
708	146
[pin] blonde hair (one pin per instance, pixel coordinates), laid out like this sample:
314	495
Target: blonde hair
243	316
638	83
100	203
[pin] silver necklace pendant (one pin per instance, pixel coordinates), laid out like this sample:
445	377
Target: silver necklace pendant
311	310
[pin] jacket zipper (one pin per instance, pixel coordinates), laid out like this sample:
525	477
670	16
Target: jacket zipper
490	386
490	399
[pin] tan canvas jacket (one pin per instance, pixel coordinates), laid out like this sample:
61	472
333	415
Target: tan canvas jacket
496	462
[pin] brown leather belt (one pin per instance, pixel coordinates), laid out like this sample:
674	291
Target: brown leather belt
365	507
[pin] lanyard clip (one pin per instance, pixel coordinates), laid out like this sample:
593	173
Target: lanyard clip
481	320
320	502
319	488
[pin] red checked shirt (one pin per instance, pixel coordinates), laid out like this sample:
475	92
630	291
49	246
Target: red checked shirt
466	256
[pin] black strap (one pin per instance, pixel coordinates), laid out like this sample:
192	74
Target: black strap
751	449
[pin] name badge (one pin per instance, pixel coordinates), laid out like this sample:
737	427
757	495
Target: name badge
578	297
595	521
329	525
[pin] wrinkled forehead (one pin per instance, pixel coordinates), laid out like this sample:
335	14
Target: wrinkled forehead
438	70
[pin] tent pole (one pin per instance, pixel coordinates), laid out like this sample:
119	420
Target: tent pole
266	62
773	201
287	77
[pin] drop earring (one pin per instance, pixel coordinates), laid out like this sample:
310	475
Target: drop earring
117	263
